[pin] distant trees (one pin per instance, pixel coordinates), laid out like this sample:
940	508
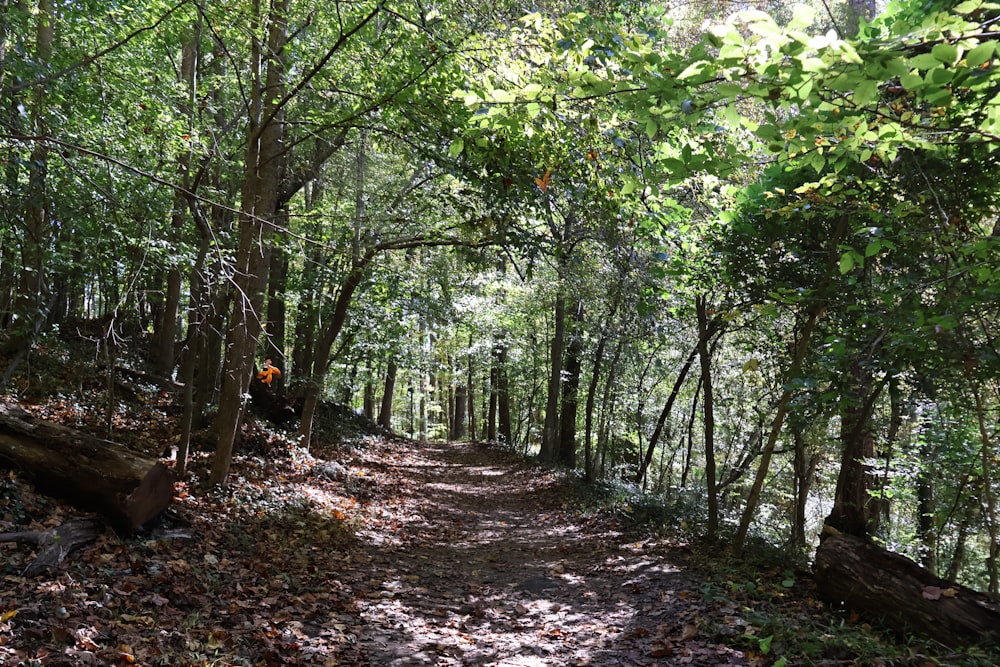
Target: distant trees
754	264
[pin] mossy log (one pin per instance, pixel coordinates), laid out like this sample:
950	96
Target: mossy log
889	588
89	472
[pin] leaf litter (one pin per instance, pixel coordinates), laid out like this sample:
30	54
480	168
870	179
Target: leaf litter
386	552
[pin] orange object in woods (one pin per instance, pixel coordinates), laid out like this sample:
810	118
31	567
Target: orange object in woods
269	373
543	182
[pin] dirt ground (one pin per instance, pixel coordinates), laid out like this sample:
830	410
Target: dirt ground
387	553
491	565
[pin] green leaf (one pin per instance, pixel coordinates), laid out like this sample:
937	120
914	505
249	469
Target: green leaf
911	81
873	248
865	92
456	148
817	161
531	91
967	7
945	53
802	17
924	61
981	54
846	263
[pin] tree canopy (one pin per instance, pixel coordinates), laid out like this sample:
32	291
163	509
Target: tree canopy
748	257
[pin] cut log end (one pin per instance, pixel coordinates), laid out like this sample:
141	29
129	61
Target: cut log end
92	473
151	497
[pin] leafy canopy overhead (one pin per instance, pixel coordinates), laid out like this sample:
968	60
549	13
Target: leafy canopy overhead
911	80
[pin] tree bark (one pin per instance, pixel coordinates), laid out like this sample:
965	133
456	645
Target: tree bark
458	422
35	241
262	176
664	413
595	378
385	411
784	403
550	430
56	543
705	358
895	590
95	474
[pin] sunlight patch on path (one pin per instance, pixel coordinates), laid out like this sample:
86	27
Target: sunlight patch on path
484	567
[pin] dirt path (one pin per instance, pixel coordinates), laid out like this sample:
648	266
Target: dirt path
475	559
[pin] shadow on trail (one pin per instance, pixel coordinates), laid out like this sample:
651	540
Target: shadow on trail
480	560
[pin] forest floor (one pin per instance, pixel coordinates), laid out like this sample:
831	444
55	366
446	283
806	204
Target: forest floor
380	551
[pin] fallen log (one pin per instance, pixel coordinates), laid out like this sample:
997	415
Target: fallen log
890	588
55	544
95	474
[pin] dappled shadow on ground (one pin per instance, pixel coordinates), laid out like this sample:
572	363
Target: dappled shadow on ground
487	562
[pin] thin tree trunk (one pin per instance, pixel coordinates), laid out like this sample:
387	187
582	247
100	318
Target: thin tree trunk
262	175
321	356
504	425
640	477
550	431
804	466
712	530
471	384
458	423
30	304
689	434
595	378
491	410
570	390
798	357
388	391
166	331
274	347
988	498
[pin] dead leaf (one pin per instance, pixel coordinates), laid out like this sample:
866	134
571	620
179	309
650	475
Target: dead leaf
931	593
689	632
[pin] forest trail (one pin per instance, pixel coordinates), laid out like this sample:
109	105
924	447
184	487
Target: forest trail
473	558
380	553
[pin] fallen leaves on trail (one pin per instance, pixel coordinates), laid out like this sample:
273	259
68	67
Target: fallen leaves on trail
385	553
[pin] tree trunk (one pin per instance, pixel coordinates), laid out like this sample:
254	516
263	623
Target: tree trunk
595	378
368	403
689	435
471	398
265	155
458	420
95	474
890	588
566	454
491	408
658	429
274	347
321	354
989	499
385	410
30	302
708	410
784	402
849	513
804	467
166	327
550	431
